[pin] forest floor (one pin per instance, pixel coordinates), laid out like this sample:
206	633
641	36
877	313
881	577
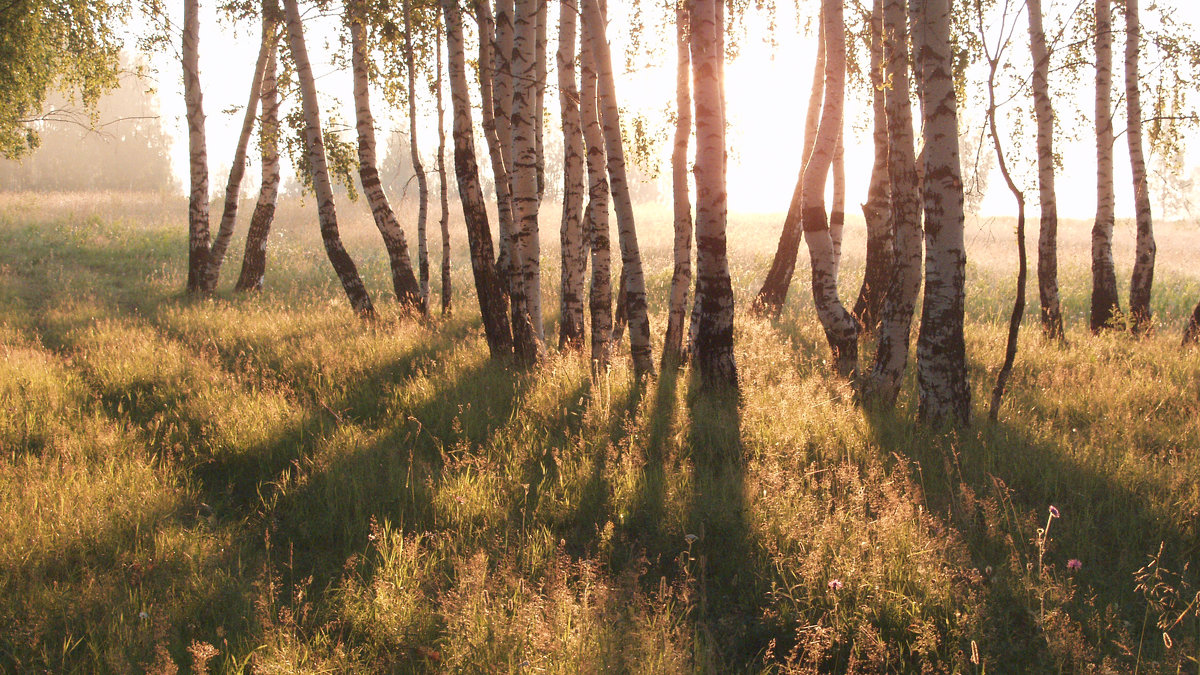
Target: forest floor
265	483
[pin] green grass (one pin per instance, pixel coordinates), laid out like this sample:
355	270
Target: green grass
265	483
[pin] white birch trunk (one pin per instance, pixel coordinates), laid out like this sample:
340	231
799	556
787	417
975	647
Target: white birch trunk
681	277
1047	266
418	168
1143	263
1106	309
197	153
596	228
574	260
255	256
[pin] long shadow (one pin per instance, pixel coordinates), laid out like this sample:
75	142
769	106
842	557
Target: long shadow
994	485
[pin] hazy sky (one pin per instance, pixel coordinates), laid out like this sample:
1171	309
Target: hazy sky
766	87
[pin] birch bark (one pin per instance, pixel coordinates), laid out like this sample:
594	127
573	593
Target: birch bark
1142	281
1106	308
343	265
197	153
681	277
574	260
443	188
254	259
1047	266
418	168
596	227
479	237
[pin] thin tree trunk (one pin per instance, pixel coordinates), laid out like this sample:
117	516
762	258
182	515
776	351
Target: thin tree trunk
837	207
681	278
254	259
479	237
1052	322
631	260
771	296
1018	311
595	222
574	260
198	156
713	351
418	169
841	331
539	95
891	354
408	293
877	211
343	265
1106	309
944	395
443	188
1143	264
620	316
525	286
233	188
502	102
495	117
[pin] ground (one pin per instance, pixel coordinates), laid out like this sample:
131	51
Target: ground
266	483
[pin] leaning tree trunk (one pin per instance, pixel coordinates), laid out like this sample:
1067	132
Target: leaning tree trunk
254	259
841	331
479	237
495	119
713	348
343	265
1047	265
891	354
595	221
198	156
408	293
574	261
681	278
631	259
418	169
944	395
771	296
502	102
837	206
539	93
443	188
233	188
877	211
525	281
1143	264
1106	309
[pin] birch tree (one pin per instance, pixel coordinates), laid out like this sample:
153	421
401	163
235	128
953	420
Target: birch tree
488	287
681	277
495	119
574	261
713	348
771	296
1106	309
891	354
943	392
595	222
193	94
841	331
502	102
1143	265
525	281
254	259
631	260
877	210
443	188
343	265
415	154
1047	266
404	283
233	186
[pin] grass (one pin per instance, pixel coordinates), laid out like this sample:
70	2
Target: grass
264	483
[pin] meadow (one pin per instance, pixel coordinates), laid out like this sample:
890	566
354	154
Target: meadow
264	483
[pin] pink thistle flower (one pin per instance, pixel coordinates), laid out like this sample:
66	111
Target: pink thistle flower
1074	564
1054	512
835	584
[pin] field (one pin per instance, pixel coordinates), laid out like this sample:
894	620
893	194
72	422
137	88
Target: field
264	483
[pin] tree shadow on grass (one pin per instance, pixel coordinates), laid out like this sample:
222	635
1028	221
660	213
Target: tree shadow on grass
995	484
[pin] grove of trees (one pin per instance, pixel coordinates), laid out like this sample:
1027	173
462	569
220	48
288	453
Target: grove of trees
923	61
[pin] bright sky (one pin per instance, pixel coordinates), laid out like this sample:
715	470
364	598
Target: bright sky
766	88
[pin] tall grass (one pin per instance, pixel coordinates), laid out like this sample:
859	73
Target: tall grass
265	483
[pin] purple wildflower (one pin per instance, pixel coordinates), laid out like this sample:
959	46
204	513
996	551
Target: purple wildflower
1074	564
835	584
1054	512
